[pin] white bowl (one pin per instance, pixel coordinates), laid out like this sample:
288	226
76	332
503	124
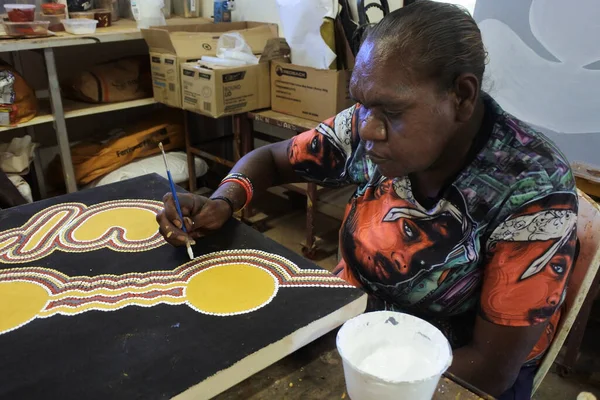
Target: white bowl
80	26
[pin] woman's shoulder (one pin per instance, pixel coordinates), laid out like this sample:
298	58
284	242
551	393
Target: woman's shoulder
527	155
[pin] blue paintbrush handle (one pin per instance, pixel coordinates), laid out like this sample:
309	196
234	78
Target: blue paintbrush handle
176	199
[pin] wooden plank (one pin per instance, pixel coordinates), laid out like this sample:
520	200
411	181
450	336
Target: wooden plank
283	121
74	109
121	30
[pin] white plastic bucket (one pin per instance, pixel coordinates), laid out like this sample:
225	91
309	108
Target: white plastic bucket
390	356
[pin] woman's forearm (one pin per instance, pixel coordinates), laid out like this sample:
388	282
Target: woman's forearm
265	167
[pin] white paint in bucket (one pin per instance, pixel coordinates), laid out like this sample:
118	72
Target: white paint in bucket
389	355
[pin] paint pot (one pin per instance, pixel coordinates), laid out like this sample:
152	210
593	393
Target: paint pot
389	356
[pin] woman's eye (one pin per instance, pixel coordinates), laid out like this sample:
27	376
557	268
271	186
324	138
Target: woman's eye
314	145
408	230
393	114
558	268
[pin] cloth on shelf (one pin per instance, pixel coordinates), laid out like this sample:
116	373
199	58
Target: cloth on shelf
94	159
18	103
154	164
16	156
119	80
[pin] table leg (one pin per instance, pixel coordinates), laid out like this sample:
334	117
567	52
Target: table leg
310	249
60	125
188	151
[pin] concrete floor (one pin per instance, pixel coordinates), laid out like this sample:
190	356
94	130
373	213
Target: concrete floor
288	229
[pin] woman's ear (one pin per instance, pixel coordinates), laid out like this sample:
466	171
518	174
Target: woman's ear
466	89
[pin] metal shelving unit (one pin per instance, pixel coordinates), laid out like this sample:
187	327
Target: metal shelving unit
58	110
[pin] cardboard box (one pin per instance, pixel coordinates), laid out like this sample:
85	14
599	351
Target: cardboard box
171	46
315	94
220	91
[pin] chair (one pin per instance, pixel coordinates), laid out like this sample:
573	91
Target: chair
584	274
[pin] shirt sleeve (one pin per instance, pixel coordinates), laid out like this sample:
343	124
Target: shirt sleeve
529	256
325	154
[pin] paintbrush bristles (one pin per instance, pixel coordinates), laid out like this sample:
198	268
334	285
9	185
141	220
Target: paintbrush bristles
162	150
189	250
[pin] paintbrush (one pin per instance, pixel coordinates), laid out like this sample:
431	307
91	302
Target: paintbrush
176	200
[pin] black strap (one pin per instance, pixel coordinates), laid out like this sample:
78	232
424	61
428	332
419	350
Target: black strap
226	200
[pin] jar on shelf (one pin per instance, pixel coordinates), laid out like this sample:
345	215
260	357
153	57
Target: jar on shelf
112	5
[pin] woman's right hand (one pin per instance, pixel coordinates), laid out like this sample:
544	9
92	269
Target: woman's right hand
200	216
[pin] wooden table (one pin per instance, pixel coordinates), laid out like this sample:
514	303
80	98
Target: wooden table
315	372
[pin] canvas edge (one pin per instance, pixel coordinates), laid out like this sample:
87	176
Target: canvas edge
272	353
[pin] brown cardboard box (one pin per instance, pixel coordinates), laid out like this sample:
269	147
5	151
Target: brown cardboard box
221	91
171	46
315	94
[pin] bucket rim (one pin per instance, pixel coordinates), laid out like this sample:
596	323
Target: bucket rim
391	313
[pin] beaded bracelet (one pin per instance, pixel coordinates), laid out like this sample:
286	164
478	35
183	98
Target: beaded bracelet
244	182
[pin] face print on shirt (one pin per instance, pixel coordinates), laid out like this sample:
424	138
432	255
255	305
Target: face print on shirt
390	241
530	256
314	157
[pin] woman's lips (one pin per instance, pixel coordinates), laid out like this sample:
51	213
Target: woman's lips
376	159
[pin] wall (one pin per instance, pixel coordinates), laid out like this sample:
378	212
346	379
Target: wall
266	10
544	67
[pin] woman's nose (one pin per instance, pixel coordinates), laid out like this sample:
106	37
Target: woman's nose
553	299
372	128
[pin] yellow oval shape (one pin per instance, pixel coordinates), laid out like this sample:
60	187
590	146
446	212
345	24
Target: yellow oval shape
20	302
138	223
230	289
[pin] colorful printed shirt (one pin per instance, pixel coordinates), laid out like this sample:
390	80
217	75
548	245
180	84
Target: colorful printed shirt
499	242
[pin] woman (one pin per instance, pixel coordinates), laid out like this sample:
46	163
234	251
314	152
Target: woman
463	215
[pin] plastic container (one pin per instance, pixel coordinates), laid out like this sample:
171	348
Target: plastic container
103	17
389	355
80	26
55	22
148	13
53	9
20	12
82	15
112	5
35	28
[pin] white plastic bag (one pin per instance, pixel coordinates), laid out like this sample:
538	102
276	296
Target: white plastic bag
301	21
148	13
233	46
16	156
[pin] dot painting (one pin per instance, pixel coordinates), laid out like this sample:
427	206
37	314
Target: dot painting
220	284
121	225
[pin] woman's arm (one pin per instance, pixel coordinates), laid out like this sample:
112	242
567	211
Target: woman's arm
316	155
493	359
529	256
265	167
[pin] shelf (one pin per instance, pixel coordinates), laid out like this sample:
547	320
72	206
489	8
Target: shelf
121	30
74	109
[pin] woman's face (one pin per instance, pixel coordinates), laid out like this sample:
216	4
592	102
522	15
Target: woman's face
405	123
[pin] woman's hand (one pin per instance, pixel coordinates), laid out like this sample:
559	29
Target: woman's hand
200	216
